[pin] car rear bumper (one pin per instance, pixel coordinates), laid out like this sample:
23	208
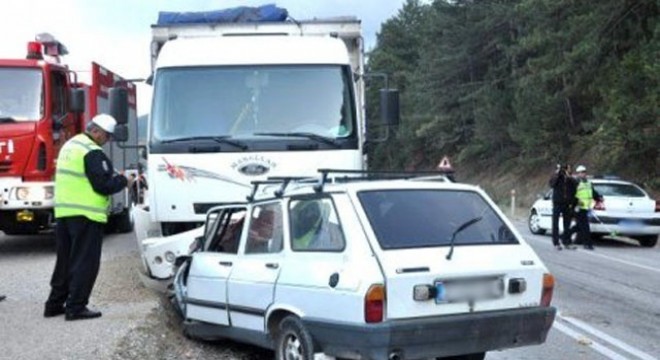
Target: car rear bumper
435	336
624	225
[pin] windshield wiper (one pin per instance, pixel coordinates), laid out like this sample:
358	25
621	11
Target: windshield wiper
7	119
312	136
218	139
465	225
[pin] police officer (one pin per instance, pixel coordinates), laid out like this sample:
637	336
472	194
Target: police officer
84	181
563	201
585	195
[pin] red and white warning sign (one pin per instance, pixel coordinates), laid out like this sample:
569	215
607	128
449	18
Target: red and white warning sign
445	165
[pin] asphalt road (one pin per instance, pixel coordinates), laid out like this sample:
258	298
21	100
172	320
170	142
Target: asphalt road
607	301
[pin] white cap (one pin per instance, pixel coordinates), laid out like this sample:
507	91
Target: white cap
581	168
105	122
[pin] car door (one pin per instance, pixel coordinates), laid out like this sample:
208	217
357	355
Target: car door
255	271
206	287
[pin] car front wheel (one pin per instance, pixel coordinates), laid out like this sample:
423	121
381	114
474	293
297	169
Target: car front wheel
293	342
533	223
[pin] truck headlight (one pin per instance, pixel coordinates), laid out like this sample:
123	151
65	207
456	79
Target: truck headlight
34	193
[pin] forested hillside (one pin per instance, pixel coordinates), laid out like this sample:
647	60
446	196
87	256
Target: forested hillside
517	86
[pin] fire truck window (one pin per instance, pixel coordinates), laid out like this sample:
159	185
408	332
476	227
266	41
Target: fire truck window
58	85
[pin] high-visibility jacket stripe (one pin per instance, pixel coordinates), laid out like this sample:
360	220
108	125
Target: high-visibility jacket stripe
74	194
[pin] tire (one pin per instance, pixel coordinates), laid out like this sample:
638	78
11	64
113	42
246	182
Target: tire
533	223
647	241
122	223
477	356
293	341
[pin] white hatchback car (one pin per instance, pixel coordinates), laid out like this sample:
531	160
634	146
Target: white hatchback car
379	269
626	210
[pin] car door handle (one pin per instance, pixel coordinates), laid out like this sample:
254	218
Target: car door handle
225	263
272	265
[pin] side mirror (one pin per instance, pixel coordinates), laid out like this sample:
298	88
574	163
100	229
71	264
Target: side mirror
389	107
77	101
121	133
118	98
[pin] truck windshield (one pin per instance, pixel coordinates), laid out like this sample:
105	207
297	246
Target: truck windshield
406	219
253	102
21	95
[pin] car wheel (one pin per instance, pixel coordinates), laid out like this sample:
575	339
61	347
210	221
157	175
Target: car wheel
597	237
478	356
648	241
533	223
293	341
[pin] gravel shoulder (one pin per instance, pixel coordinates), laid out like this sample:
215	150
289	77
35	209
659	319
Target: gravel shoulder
137	322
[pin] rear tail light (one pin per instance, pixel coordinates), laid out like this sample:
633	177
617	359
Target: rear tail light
548	287
657	206
600	205
374	304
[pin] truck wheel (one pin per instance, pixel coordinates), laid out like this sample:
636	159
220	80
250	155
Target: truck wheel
123	222
477	356
648	241
293	341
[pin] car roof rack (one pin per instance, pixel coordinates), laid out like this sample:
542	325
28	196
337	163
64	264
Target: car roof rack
349	175
368	175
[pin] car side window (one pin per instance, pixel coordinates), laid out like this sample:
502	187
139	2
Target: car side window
225	233
265	231
315	226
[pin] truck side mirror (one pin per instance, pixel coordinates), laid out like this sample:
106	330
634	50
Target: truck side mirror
121	133
389	107
77	101
118	97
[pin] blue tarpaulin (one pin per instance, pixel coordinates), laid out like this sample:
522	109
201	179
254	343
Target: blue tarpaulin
265	13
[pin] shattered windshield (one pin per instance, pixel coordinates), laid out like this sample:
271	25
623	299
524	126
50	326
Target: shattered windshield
253	102
21	95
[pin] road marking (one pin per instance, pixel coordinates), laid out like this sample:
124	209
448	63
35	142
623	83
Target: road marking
625	262
594	345
607	338
591	253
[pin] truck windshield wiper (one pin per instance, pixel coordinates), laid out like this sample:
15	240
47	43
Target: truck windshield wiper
464	226
218	139
7	119
312	136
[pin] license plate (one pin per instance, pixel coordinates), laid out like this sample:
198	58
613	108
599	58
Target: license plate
630	223
466	290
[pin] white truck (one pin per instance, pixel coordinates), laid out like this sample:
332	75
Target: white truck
244	101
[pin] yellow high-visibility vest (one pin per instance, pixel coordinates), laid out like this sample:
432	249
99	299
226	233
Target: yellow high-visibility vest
585	195
74	195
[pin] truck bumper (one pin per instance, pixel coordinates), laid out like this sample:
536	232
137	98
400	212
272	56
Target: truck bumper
434	337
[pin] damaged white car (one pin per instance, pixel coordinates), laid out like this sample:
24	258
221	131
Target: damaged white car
395	269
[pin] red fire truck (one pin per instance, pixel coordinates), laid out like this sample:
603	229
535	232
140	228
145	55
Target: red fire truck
42	105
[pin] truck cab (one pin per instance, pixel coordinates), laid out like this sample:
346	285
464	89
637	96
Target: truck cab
236	102
42	105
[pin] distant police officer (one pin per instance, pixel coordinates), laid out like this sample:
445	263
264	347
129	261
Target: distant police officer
84	180
563	201
585	196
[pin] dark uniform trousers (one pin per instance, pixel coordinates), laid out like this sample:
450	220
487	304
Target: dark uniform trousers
566	211
79	240
582	227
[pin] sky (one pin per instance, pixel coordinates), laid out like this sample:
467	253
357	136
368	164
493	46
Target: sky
117	33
